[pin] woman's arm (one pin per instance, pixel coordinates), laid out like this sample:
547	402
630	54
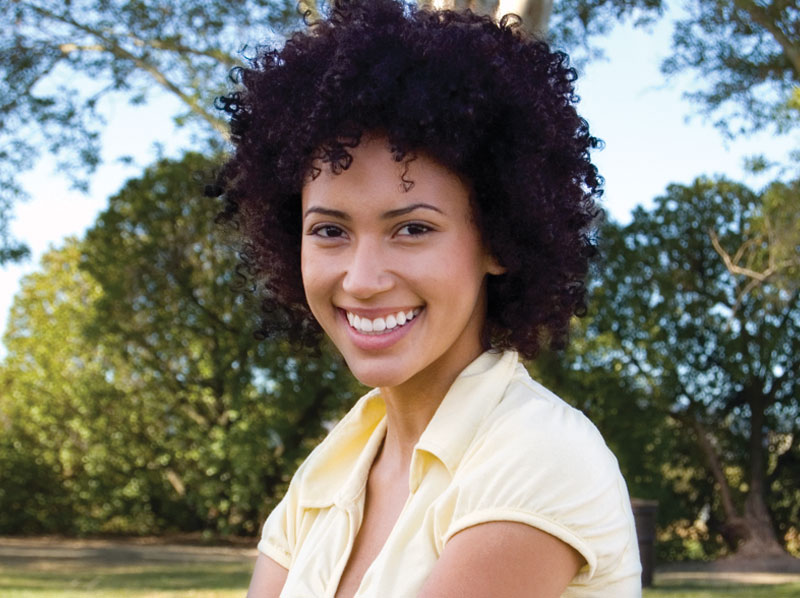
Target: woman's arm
503	559
268	578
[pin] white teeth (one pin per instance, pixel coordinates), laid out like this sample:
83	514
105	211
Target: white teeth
379	325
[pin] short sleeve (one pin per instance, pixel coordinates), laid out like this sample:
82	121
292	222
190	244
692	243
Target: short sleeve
545	465
279	534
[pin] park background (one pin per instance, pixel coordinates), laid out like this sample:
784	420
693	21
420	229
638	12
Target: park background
135	400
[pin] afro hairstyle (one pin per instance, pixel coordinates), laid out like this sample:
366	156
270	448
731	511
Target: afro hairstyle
481	97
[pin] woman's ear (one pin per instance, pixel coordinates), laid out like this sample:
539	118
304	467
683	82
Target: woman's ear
493	267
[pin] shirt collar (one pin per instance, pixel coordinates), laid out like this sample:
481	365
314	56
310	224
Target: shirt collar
473	395
336	472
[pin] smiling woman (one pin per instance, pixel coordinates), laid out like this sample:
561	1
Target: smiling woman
411	254
417	185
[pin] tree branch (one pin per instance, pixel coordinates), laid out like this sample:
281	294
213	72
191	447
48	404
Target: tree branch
761	17
712	460
179	48
112	46
733	267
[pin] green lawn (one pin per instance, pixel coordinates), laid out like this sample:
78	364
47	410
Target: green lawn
709	590
174	580
229	580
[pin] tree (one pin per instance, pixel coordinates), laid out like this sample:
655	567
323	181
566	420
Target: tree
231	416
55	407
60	60
693	340
747	54
135	343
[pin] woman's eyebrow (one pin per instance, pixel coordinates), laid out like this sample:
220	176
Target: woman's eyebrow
408	210
326	212
386	215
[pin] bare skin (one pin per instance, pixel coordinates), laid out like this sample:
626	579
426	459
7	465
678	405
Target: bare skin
503	559
387	492
268	578
411	249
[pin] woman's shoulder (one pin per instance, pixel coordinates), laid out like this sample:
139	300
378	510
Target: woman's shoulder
531	419
537	460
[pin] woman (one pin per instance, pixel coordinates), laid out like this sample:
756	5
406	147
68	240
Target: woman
417	185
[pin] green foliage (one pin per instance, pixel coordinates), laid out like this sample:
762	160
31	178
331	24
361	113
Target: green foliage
59	61
135	383
48	371
11	250
690	369
746	54
574	23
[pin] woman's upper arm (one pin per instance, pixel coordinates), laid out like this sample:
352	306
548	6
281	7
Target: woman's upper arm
268	578
502	559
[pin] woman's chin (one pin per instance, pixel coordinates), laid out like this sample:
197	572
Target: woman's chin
377	379
377	374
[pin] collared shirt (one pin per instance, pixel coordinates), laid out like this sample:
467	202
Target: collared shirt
500	447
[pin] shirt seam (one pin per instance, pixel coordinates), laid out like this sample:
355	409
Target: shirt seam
278	554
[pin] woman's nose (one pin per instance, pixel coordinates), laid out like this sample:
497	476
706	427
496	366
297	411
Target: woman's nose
366	273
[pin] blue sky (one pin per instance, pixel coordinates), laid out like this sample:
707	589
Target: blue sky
653	137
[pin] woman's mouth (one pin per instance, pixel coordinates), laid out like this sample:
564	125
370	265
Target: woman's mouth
381	325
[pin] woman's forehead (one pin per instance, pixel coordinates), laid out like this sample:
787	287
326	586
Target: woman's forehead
375	179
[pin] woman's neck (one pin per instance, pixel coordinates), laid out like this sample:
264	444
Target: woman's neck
411	405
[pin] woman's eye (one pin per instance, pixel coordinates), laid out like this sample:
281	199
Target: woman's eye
414	229
327	231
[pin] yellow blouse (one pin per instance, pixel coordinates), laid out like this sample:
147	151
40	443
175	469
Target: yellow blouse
500	447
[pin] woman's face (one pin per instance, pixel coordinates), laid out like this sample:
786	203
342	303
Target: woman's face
396	278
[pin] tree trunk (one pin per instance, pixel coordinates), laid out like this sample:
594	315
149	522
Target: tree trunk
756	536
752	535
749	533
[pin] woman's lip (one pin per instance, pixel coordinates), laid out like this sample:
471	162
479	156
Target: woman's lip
375	342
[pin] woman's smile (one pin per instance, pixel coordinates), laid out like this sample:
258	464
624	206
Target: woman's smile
372	334
381	325
395	275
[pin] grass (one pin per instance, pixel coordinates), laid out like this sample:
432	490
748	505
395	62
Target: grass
714	590
174	580
230	579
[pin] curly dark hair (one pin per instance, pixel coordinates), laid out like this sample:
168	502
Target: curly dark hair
480	97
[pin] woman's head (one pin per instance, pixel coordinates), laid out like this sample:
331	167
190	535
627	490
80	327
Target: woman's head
481	99
398	282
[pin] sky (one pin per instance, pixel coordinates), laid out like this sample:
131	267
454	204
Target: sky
653	137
